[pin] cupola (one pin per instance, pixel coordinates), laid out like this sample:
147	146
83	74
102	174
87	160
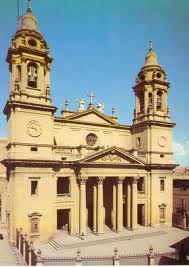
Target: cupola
29	22
151	90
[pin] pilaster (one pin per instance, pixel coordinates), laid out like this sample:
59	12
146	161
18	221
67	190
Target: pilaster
82	206
94	208
134	202
120	203
114	212
100	214
128	203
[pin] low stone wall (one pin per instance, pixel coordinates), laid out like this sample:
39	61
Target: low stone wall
32	257
150	258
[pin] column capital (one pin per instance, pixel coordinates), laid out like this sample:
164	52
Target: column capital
134	179
100	180
82	180
120	179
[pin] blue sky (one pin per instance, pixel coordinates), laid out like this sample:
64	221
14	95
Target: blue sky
100	45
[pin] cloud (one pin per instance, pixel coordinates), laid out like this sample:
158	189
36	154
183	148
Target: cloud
179	149
181	152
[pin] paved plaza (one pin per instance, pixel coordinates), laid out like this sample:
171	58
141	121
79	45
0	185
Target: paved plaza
162	239
7	253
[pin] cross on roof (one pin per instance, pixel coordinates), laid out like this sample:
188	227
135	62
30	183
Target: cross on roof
29	4
151	45
91	96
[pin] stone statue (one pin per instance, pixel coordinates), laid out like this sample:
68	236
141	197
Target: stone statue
100	107
81	104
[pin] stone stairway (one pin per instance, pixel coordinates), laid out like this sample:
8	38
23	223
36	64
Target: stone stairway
85	243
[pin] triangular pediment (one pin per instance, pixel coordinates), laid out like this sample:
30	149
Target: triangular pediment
113	155
92	116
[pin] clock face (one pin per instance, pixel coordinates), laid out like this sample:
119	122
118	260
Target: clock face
162	141
34	128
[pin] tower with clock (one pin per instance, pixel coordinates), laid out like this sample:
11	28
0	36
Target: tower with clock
83	169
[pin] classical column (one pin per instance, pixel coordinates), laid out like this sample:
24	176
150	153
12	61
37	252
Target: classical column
128	203
94	207
82	206
155	100
134	202
164	102
145	100
40	78
120	203
114	212
24	74
100	211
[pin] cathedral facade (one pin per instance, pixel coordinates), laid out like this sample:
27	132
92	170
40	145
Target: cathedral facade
83	171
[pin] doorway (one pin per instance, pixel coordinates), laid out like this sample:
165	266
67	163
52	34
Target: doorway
141	214
89	201
107	200
63	219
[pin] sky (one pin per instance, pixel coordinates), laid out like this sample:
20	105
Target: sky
100	46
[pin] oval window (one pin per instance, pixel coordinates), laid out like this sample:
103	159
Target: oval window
158	75
91	139
32	42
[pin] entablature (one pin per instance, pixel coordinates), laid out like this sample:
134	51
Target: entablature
13	104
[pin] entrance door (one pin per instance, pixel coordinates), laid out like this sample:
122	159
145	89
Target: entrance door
107	200
141	218
63	219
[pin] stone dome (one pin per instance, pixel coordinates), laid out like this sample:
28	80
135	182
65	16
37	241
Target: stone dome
29	22
151	58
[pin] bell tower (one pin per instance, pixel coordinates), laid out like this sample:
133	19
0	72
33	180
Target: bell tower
30	121
29	63
29	111
152	126
151	91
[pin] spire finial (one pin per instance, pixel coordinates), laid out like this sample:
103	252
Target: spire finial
151	47
91	96
18	18
29	6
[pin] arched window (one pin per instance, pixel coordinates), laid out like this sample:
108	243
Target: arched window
141	100
18	76
159	100
32	75
150	100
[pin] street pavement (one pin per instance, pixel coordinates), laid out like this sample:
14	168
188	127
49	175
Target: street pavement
7	252
162	239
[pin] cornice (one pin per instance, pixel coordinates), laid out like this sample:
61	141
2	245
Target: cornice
152	123
28	50
57	164
64	120
13	104
32	33
156	166
152	82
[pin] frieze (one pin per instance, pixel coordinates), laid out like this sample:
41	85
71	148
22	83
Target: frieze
63	150
110	158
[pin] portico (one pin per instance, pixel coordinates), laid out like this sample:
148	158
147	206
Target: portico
99	213
107	184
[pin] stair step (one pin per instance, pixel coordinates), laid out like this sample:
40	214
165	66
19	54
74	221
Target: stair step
104	241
